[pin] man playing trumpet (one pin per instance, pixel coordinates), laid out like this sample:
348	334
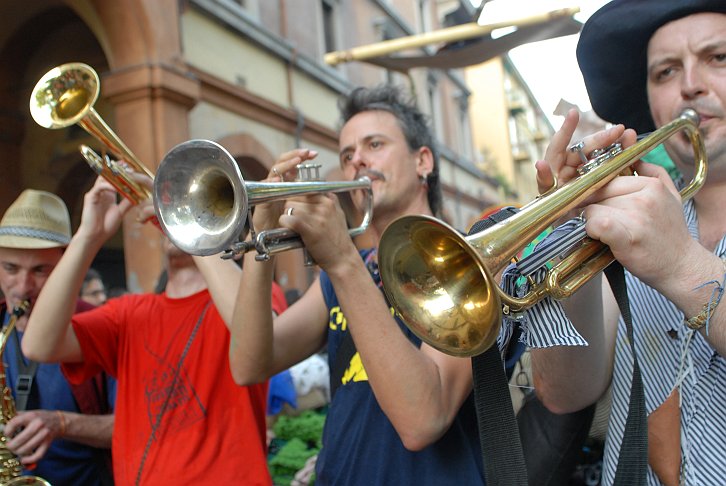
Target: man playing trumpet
644	62
180	418
401	412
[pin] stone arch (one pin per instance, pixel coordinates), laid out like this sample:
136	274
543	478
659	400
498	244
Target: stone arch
30	48
253	158
135	47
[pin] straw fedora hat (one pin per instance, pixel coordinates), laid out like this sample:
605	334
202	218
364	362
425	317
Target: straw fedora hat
612	54
37	219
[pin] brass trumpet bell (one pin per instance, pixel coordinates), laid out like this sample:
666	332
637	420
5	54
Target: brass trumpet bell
65	96
441	282
432	275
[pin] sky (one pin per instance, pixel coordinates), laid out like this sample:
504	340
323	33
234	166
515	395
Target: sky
548	67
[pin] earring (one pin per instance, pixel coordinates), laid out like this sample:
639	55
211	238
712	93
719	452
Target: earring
422	178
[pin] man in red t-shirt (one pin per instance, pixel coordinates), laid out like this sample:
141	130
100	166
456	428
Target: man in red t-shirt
180	417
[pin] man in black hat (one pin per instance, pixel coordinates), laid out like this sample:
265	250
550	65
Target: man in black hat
644	61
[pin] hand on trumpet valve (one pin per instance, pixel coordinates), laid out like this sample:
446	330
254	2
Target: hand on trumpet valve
103	211
285	169
564	157
145	208
266	216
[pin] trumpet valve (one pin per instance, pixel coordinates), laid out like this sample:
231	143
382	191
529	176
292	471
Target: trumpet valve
308	172
599	157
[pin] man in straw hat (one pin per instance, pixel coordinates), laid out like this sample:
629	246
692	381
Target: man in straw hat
180	418
644	61
66	431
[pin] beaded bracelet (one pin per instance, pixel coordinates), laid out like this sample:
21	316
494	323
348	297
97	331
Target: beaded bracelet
703	318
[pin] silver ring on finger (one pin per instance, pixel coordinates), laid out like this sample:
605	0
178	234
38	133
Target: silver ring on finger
289	211
277	173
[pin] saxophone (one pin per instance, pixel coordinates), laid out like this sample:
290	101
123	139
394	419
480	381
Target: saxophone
10	467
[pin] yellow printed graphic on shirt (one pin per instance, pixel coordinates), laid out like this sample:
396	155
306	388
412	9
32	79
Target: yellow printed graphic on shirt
355	371
337	320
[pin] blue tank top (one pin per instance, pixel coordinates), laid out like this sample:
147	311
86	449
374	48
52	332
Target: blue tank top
360	445
66	463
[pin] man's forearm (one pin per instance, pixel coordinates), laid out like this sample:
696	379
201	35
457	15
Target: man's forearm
47	335
222	278
588	369
251	352
92	430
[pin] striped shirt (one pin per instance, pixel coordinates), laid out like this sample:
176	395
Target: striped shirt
670	355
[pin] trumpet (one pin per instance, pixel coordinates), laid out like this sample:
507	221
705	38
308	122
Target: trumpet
65	96
441	283
203	203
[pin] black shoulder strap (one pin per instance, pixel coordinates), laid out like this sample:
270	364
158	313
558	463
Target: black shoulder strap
633	459
501	446
25	377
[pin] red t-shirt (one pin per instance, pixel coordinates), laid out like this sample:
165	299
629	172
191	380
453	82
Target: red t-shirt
279	303
208	429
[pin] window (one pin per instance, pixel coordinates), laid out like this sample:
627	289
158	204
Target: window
461	101
329	43
435	102
424	11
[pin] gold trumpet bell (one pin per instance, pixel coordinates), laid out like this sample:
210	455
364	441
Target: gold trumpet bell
64	95
441	283
432	274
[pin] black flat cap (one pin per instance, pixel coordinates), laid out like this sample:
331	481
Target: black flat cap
612	54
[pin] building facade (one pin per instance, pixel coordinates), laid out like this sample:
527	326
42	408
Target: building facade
248	74
511	132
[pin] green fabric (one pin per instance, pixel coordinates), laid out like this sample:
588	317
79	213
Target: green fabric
659	156
289	459
297	438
